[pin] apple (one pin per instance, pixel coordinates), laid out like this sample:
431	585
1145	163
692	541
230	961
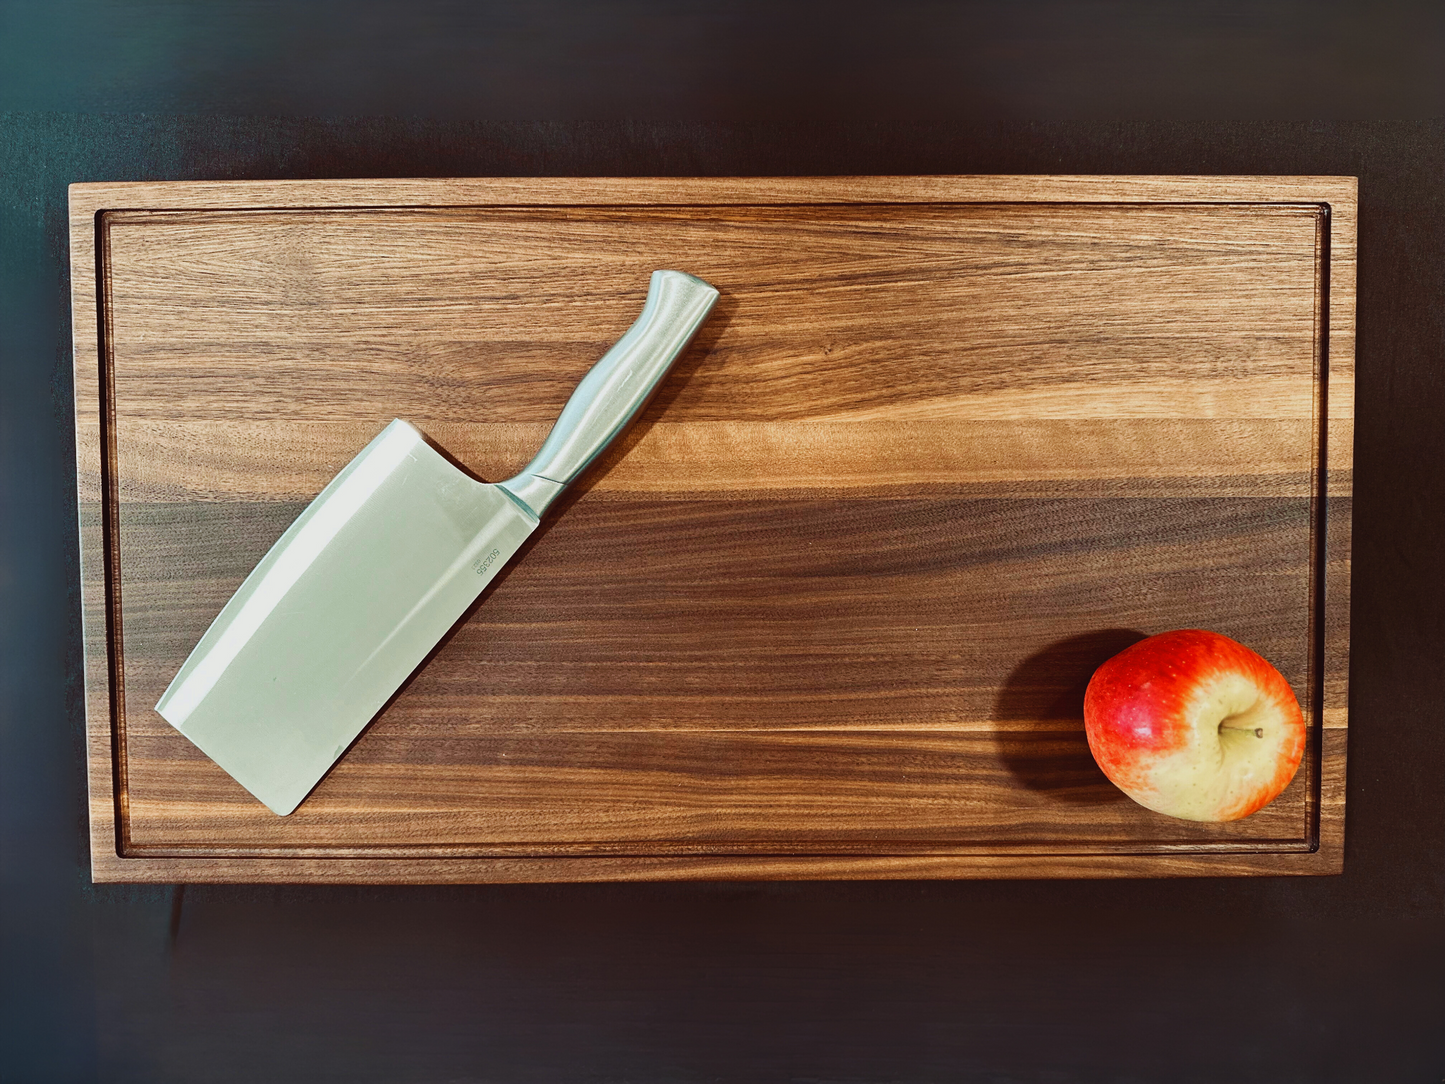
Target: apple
1194	725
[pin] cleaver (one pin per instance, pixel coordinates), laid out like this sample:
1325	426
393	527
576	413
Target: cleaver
387	558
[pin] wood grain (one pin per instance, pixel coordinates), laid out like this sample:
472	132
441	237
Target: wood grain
828	610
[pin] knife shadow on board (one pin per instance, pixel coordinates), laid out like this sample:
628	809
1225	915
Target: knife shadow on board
681	372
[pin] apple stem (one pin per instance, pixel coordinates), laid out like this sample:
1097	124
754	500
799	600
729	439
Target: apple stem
1258	730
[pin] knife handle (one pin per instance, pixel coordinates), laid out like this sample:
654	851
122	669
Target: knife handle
616	388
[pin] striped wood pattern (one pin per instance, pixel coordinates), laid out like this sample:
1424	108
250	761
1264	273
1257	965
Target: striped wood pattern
945	445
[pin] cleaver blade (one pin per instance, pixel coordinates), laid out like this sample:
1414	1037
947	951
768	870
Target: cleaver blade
386	559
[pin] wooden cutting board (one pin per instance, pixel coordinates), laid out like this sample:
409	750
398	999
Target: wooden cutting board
946	444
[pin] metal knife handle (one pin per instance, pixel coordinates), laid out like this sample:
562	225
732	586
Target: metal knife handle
616	388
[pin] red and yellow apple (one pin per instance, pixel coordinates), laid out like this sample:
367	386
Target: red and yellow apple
1194	725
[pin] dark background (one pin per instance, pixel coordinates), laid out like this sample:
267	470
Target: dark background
1331	979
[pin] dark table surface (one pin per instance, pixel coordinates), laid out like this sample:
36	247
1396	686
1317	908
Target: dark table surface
1331	979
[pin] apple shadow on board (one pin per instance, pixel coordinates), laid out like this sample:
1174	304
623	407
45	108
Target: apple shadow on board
1048	686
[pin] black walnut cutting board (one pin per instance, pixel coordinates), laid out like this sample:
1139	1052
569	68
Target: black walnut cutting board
945	445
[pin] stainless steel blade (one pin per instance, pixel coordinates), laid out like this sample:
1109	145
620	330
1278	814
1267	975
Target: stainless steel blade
345	606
